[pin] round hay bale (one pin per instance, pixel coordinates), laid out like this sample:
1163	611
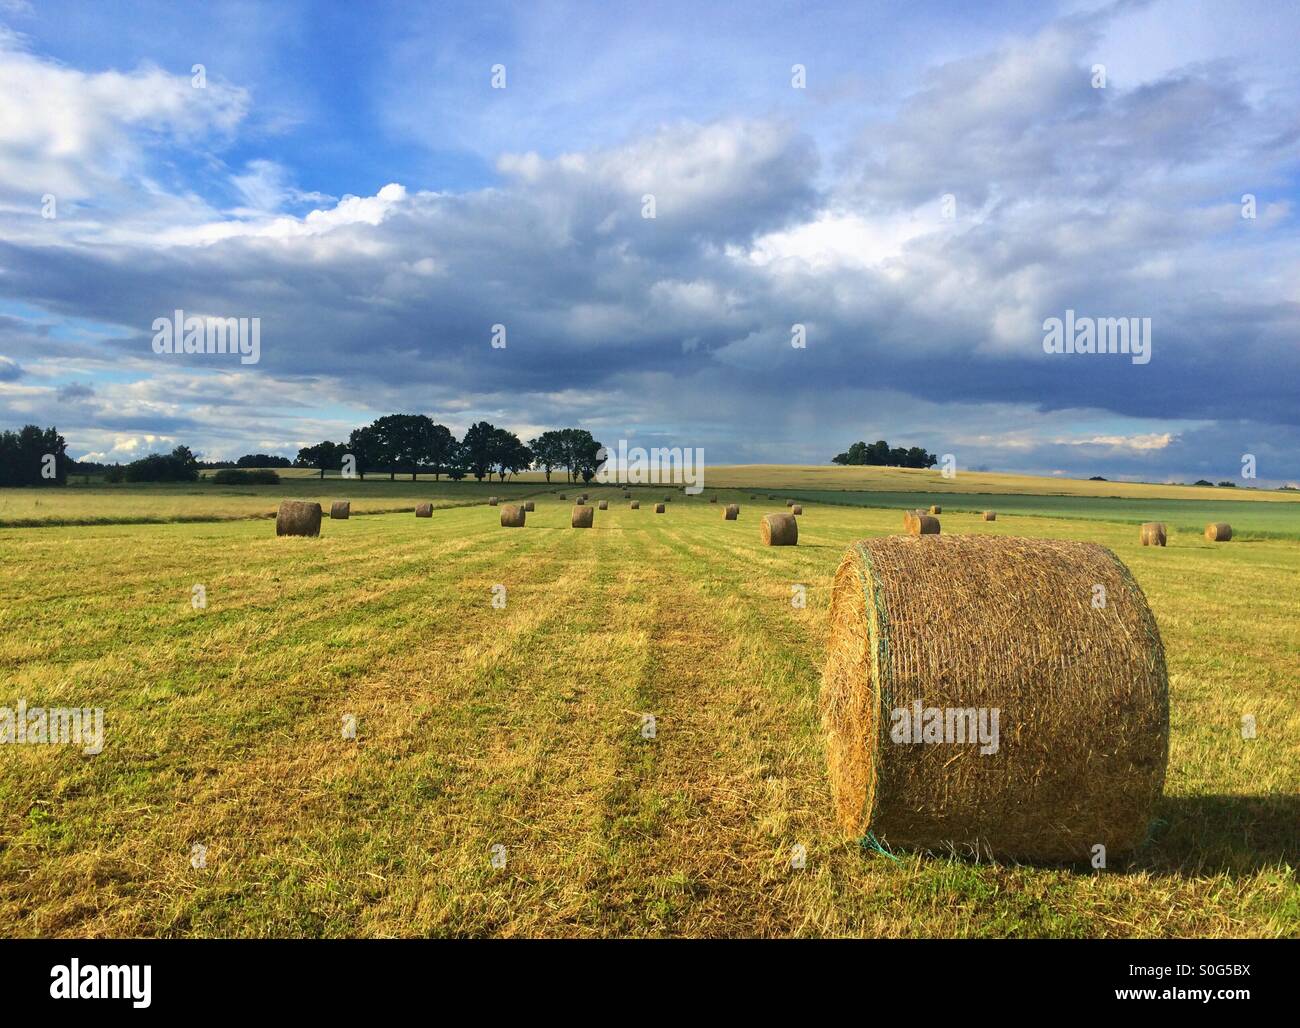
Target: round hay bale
340	510
990	515
1218	531
948	631
789	503
713	499
583	517
634	505
918	523
797	509
731	511
779	530
936	509
668	499
626	495
563	497
659	508
424	510
1154	534
492	501
512	516
529	505
297	517
603	505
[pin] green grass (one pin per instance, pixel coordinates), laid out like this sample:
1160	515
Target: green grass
521	726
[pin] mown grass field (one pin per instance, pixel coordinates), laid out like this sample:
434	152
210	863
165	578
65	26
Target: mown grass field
521	727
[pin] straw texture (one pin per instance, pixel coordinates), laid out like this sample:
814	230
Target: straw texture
512	516
731	511
583	517
982	622
340	510
424	510
1218	531
1154	534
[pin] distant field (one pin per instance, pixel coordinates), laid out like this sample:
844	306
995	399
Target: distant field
521	727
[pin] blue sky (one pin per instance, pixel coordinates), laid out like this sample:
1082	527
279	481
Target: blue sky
349	176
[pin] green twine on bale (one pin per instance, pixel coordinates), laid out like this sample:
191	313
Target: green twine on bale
870	842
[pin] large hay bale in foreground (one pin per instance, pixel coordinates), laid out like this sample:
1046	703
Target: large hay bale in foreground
779	530
917	523
512	516
530	506
659	508
340	510
731	511
297	517
936	509
1154	534
797	509
634	505
949	630
989	515
603	505
1218	531
424	510
583	517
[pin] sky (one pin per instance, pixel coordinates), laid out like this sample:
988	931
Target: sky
919	185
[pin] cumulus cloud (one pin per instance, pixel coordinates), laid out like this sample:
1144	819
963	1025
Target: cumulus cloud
1113	203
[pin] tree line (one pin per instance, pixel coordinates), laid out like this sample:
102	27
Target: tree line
415	444
881	454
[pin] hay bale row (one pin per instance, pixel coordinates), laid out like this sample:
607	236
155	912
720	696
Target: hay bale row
583	517
298	517
1153	534
512	516
779	530
972	624
731	511
1218	531
340	510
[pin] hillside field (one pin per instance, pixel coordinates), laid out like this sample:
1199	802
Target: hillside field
521	727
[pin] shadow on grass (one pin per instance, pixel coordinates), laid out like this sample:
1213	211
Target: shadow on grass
1234	835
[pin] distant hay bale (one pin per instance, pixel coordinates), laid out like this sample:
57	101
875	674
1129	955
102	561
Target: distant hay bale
1218	531
626	494
659	508
779	530
797	509
583	517
713	499
492	501
634	505
512	516
668	499
990	515
298	517
529	505
424	510
1154	534
340	510
918	523
563	497
1082	740
731	511
604	505
789	503
936	509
